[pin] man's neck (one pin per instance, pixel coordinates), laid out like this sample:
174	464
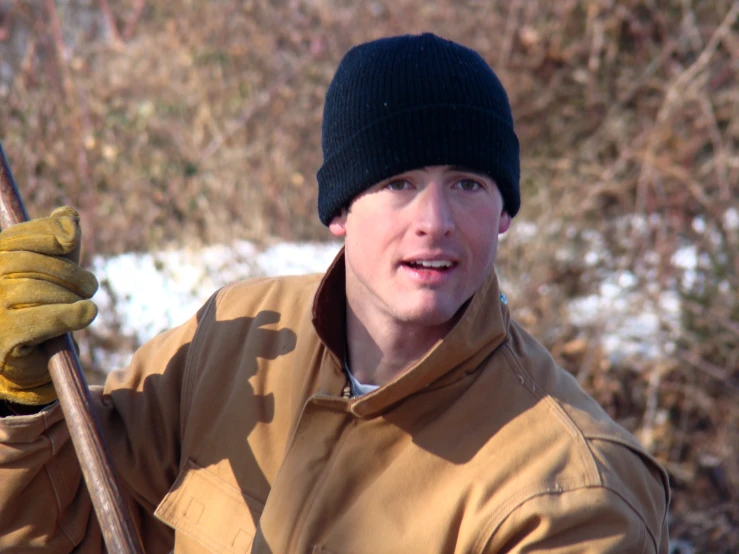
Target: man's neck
380	351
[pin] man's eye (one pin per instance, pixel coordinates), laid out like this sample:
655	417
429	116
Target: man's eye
468	184
400	184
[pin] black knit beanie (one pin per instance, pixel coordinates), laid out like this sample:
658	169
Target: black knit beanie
403	103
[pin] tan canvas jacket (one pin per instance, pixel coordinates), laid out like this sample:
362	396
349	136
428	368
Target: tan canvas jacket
231	435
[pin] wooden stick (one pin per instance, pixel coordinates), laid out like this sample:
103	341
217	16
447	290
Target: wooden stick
119	532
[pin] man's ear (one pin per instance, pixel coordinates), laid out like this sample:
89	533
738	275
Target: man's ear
505	222
338	224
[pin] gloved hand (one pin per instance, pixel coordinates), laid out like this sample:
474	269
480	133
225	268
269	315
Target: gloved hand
44	293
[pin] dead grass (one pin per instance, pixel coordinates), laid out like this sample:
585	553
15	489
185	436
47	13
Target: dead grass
199	122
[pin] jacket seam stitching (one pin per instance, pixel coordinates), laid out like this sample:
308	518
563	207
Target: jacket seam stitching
644	532
663	477
516	501
192	531
48	435
58	505
170	516
229	490
522	499
557	487
645	526
553	405
40	418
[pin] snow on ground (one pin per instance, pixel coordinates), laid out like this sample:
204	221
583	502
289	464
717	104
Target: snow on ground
630	325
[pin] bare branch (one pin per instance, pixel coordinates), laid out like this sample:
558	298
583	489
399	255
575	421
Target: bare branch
138	7
115	37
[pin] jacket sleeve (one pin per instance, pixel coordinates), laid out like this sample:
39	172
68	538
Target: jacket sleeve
44	502
584	520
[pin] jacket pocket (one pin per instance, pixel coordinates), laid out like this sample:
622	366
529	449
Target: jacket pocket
213	513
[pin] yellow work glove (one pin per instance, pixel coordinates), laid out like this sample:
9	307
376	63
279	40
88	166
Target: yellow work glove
44	293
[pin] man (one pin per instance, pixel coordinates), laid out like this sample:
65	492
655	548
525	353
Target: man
391	405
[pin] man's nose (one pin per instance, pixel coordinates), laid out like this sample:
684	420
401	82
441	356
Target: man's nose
434	215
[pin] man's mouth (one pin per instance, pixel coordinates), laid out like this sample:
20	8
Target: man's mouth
438	265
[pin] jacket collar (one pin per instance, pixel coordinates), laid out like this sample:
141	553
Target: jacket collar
480	330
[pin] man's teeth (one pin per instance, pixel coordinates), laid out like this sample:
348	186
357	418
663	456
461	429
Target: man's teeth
436	264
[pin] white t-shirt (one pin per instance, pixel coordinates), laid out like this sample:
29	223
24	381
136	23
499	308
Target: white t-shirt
358	389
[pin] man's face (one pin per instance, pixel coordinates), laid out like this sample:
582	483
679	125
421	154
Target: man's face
420	244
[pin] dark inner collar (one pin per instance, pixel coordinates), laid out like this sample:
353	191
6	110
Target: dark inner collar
329	307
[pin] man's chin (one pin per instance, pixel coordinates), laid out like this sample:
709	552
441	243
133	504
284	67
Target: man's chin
430	315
